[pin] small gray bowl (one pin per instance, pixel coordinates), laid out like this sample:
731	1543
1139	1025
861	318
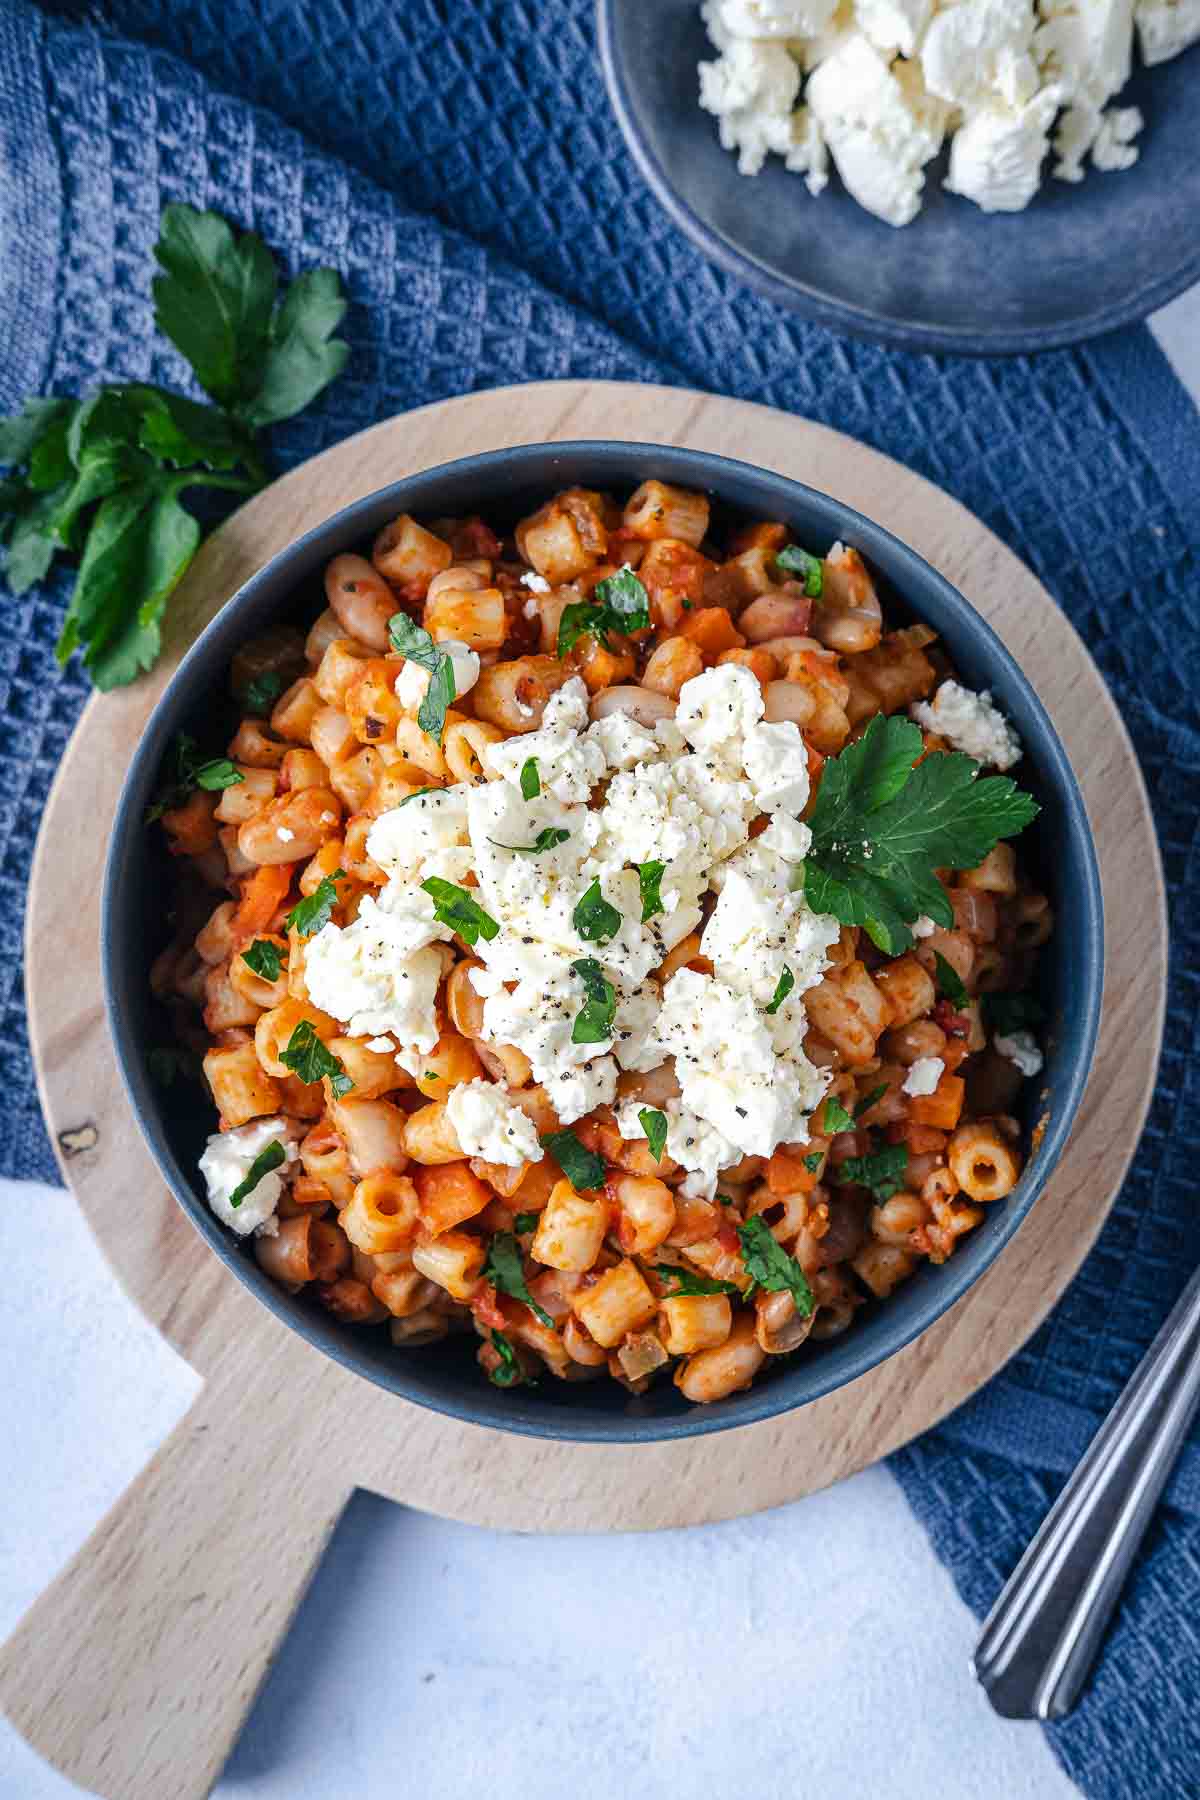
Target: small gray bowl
502	486
1080	260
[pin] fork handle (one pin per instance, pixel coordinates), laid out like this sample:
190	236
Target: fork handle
1043	1634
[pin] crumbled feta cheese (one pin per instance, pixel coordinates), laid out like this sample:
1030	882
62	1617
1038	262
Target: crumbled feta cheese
426	835
537	584
489	1124
226	1161
923	926
569	764
923	1076
991	73
413	681
1020	1047
776	760
971	723
382	1046
381	973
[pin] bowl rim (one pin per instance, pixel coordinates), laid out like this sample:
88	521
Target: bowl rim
838	315
756	1404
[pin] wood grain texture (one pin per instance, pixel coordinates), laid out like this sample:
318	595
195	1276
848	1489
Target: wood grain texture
133	1673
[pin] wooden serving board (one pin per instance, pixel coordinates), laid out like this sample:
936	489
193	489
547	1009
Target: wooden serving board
134	1672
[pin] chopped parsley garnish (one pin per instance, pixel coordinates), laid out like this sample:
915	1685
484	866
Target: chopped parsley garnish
812	1161
650	876
416	794
783	988
619	603
654	1124
454	906
881	828
594	1021
414	644
595	918
881	1170
549	839
949	982
264	1162
508	1372
531	781
503	1269
1006	1013
262	693
691	1283
307	1057
869	1100
317	910
836	1117
805	567
524	1222
582	1168
184	774
725	1199
768	1263
265	959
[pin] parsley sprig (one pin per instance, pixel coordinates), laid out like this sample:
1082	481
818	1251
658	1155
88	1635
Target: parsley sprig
306	1056
415	645
455	906
582	1168
102	479
595	918
503	1269
264	1162
184	774
805	567
767	1262
594	1020
313	913
619	603
265	959
654	1124
548	839
881	828
880	1170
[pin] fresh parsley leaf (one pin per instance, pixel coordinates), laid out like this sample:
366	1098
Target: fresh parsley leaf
307	1057
812	1161
503	1269
836	1117
691	1283
595	918
1006	1013
315	911
654	1124
508	1372
525	1221
808	568
548	839
265	959
869	1100
594	1021
948	981
783	988
650	876
216	301
266	1160
416	795
531	782
619	603
414	644
768	1263
262	693
455	907
582	1168
881	828
167	1062
184	774
881	1170
725	1199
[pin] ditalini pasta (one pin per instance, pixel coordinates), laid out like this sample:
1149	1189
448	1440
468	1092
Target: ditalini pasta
595	939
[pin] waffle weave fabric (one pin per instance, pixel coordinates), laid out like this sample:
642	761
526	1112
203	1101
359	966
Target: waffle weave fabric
457	162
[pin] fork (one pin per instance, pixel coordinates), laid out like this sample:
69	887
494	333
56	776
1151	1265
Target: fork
1043	1635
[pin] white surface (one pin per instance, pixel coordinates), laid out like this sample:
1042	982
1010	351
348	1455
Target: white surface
821	1645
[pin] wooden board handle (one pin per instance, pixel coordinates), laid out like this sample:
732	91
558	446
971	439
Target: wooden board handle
133	1673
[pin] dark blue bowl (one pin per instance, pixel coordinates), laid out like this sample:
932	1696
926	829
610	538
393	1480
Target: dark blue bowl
1082	259
502	486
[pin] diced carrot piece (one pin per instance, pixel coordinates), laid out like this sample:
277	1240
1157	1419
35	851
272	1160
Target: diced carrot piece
768	534
711	630
760	662
192	827
786	1173
941	1108
262	896
447	1194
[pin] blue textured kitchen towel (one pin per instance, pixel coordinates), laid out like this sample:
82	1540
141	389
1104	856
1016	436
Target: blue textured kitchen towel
458	163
